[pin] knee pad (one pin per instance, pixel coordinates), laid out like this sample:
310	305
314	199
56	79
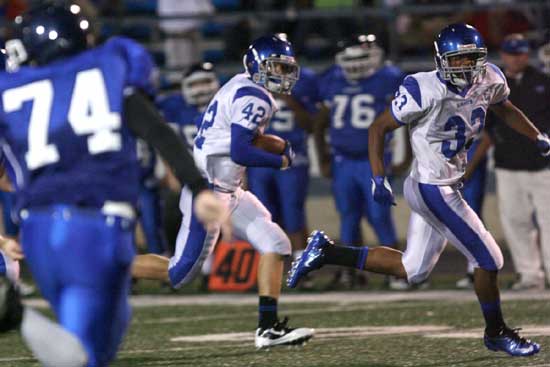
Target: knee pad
496	264
271	240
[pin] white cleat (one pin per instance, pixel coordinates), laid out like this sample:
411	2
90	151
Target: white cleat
280	334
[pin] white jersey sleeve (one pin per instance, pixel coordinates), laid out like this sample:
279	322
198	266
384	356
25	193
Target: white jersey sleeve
251	108
409	104
501	91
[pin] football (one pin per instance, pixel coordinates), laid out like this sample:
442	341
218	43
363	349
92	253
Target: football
270	143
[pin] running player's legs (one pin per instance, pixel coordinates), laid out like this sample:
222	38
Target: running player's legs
252	223
444	208
348	199
193	244
86	277
379	216
262	183
425	243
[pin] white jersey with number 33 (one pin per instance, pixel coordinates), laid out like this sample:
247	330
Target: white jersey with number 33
444	120
241	102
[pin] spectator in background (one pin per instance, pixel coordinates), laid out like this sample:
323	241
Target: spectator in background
522	174
182	42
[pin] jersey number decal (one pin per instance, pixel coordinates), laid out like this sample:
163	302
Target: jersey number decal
249	110
458	123
207	122
283	120
89	114
361	114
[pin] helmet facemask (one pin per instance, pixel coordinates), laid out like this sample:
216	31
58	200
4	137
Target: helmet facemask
359	62
278	74
463	75
199	88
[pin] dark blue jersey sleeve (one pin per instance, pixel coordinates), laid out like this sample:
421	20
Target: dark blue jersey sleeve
139	62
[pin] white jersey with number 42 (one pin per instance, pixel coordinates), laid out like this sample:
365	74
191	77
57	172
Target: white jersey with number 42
241	102
444	120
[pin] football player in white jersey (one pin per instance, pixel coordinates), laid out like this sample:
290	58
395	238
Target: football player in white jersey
223	148
444	110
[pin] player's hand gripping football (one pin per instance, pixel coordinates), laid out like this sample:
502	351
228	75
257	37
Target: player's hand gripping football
381	191
212	212
543	144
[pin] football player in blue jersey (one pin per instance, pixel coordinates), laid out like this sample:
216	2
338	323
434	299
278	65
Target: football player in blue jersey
355	91
284	192
152	172
183	109
70	115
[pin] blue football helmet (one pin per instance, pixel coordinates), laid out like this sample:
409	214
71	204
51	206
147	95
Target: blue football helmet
46	32
270	62
360	56
199	84
457	41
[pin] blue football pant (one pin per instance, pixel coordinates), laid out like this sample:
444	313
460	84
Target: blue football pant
351	186
283	193
80	260
150	215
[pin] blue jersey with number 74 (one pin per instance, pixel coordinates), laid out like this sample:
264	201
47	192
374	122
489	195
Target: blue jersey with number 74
62	127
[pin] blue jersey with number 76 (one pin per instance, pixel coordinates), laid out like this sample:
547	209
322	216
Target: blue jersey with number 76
62	127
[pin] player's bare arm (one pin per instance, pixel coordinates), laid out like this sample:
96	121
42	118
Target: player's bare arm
402	167
384	124
516	119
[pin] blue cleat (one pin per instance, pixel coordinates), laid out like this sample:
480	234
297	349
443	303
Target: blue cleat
510	342
312	258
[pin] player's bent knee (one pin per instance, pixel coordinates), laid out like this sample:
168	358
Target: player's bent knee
282	247
417	278
496	263
183	272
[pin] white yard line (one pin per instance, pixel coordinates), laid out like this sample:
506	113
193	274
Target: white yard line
321	333
328	297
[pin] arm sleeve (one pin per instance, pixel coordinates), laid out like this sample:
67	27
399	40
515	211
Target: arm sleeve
145	122
407	105
251	108
501	90
243	152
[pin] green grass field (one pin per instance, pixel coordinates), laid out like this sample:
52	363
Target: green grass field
372	329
